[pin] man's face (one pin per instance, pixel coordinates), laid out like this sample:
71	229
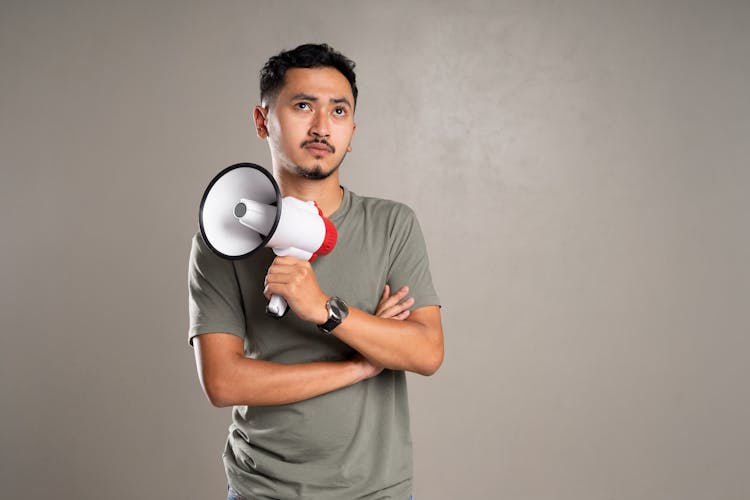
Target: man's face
310	124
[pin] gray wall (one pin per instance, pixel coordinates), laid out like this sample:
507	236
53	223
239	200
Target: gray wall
580	170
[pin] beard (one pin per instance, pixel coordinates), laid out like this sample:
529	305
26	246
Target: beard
316	172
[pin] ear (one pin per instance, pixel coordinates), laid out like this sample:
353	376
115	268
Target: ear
259	117
349	147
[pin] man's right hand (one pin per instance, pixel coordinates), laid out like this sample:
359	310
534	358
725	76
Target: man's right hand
369	369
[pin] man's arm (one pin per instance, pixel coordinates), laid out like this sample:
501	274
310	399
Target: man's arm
229	378
414	344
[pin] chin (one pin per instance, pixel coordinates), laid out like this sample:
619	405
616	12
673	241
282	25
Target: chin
315	173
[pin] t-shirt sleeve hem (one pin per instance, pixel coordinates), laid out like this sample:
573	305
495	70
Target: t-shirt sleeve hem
196	330
427	300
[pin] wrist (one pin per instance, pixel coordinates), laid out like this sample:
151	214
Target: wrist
364	368
336	313
360	369
321	311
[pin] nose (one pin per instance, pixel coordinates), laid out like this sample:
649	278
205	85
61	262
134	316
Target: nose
320	126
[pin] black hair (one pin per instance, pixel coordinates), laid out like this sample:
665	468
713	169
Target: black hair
308	55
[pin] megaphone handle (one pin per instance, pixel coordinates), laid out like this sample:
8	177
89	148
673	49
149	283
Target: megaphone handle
277	306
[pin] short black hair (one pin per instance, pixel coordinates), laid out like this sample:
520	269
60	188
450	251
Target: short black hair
309	55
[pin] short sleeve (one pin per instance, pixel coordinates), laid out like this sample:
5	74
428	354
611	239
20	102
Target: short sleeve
215	301
409	264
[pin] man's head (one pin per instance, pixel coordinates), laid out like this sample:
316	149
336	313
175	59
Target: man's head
309	55
307	105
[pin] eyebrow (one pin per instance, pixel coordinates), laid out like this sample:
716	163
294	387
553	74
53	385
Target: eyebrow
341	100
307	97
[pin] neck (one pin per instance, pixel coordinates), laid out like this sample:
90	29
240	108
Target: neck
327	193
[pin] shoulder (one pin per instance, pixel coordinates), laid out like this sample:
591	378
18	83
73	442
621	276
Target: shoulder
382	208
203	257
198	245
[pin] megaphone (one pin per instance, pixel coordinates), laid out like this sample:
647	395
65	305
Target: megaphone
242	211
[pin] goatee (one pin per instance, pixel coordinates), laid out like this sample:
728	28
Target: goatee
315	173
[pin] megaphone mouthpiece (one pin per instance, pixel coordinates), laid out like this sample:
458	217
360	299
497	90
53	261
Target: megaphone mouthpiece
259	217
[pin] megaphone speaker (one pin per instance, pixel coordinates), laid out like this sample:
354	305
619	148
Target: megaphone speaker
242	211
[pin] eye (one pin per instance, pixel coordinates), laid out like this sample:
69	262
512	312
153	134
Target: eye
340	111
302	105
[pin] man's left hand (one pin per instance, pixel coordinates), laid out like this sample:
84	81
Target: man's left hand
394	306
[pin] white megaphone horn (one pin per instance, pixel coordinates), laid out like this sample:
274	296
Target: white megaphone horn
242	211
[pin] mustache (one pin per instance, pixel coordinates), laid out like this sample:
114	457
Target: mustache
319	141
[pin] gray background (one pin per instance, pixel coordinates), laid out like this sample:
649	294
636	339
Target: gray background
580	170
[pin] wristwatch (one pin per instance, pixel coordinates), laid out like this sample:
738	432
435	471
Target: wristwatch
337	312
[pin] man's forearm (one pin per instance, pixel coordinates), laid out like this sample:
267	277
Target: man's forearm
414	344
263	383
229	378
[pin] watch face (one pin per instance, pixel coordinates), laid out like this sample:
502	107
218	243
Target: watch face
337	312
338	308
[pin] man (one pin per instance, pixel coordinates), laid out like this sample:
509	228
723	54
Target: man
320	403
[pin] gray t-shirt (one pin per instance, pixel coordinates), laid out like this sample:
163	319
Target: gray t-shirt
350	443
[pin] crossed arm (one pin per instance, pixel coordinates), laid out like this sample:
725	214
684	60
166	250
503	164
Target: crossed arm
394	338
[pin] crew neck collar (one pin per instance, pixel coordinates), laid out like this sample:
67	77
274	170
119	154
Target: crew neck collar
346	202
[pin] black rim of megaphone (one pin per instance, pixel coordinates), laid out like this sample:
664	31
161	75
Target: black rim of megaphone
266	237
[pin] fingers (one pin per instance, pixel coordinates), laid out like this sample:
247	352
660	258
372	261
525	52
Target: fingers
404	314
394	306
283	268
387	301
280	275
294	280
398	311
386	293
